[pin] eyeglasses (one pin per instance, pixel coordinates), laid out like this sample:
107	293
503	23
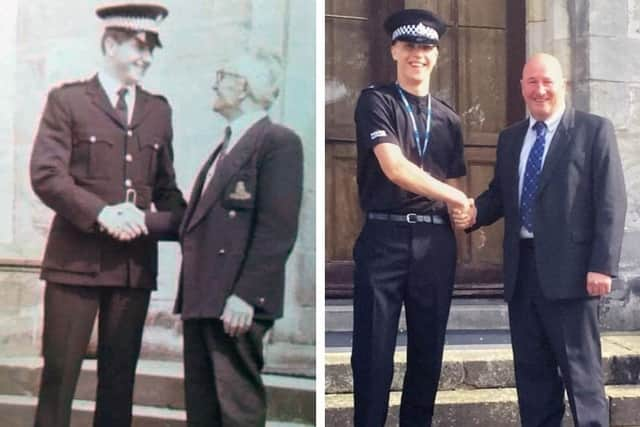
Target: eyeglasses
221	75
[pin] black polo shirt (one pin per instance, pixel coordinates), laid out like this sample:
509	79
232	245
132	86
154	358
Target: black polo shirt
382	118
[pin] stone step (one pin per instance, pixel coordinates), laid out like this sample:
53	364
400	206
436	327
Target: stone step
484	407
490	367
18	411
160	384
465	315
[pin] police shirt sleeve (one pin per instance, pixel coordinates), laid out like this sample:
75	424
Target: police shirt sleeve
457	166
374	119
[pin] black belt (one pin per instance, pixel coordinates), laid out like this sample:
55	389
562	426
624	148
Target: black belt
410	218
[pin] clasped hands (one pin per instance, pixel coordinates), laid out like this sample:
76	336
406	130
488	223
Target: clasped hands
123	222
462	213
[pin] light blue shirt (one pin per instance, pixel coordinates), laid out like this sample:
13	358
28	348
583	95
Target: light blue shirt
529	139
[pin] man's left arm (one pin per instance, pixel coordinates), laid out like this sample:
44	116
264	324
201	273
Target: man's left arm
610	205
279	194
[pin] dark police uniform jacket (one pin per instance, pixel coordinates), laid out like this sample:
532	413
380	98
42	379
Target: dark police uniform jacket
84	159
382	118
237	236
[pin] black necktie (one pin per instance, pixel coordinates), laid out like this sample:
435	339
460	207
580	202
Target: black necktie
121	106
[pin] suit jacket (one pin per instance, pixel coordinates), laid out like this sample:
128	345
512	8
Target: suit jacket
579	208
236	238
84	159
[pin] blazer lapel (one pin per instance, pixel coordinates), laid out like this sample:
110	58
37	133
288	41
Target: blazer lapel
197	189
232	162
100	99
559	144
513	162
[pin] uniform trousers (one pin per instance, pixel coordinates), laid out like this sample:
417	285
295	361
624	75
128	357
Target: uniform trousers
69	314
222	375
395	264
556	344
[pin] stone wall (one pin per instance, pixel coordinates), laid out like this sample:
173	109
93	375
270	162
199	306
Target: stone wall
598	43
44	43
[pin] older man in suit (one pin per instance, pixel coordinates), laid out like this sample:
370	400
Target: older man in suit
102	155
237	232
559	186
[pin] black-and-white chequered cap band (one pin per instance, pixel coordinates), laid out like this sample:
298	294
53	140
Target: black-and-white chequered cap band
419	30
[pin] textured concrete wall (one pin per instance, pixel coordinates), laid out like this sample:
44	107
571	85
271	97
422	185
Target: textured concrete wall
44	43
598	43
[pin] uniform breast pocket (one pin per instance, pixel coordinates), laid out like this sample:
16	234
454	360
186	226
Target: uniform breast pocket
240	192
93	155
148	151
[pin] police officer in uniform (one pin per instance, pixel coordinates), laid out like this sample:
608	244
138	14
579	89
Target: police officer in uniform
102	156
410	153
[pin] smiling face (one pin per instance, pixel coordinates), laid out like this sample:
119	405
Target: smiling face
414	61
543	86
129	58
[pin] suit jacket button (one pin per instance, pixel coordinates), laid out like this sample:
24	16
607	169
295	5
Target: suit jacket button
129	132
127	183
221	252
232	214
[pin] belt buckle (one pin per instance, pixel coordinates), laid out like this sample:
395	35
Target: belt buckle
412	218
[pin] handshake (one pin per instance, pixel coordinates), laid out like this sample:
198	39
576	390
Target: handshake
123	222
463	215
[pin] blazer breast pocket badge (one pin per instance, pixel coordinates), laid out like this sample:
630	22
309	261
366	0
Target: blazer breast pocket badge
240	194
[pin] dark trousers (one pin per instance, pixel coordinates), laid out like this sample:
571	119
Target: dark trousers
222	375
556	344
400	263
69	313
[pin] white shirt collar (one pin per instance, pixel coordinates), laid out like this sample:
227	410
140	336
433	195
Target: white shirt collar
111	86
552	122
242	124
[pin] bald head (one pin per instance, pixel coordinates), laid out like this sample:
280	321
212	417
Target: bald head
543	86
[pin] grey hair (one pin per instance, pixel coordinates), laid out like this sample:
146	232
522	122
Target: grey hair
263	70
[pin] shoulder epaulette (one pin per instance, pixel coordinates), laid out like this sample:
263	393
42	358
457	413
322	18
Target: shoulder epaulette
70	83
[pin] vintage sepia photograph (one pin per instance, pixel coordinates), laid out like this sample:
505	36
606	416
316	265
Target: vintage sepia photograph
157	230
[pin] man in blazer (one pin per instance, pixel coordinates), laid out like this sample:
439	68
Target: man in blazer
102	155
559	186
238	230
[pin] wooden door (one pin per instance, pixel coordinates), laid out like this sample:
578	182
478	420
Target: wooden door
478	73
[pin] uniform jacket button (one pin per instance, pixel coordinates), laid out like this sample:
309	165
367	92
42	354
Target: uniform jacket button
129	132
92	139
156	147
232	214
221	252
261	300
127	182
128	158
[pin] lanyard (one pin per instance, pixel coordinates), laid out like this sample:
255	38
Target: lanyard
422	147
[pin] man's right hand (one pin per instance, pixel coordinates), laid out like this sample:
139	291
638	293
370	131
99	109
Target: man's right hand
123	221
463	217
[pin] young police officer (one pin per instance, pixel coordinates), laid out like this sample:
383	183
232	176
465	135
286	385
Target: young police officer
410	151
103	154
